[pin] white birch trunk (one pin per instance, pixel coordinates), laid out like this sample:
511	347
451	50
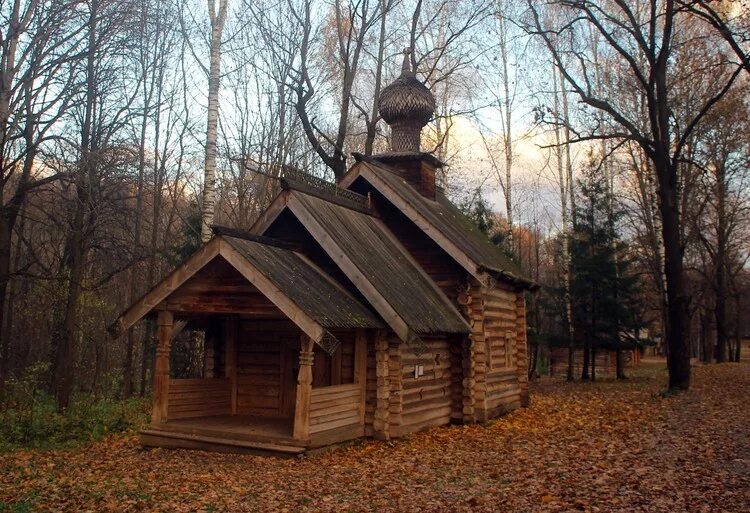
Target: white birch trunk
209	178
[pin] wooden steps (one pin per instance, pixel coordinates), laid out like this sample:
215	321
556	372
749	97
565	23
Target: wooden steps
229	434
179	440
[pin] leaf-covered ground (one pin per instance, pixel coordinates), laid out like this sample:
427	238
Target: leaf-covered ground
610	447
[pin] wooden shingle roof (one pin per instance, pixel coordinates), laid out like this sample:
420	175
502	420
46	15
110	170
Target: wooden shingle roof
442	221
296	286
367	243
306	285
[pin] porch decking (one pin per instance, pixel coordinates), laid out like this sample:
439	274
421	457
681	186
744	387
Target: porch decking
226	433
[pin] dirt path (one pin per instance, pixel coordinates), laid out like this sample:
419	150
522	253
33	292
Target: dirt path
609	447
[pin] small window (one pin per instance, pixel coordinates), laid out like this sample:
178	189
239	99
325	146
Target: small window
510	338
500	351
335	369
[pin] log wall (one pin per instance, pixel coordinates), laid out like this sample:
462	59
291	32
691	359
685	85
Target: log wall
426	400
204	397
494	359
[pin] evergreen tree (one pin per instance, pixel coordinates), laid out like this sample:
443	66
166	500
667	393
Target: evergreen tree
606	309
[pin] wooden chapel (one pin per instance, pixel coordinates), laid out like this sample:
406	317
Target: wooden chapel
372	307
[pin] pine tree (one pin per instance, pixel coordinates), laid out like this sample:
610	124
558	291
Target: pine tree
606	312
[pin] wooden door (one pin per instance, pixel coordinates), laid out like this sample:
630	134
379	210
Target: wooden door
290	370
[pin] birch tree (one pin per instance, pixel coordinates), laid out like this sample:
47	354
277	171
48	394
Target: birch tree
217	16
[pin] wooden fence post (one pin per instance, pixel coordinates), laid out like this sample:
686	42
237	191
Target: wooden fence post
161	368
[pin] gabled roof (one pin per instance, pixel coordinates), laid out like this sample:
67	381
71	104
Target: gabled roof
303	292
375	262
441	221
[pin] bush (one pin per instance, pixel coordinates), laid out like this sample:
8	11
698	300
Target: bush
33	421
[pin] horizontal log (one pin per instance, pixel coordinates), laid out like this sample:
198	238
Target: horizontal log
335	425
198	381
331	418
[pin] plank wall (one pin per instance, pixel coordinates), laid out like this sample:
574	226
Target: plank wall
202	397
335	414
265	355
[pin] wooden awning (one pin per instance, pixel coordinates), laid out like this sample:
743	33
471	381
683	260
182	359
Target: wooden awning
297	287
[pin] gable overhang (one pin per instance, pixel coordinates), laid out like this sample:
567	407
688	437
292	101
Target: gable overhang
487	276
270	214
153	300
349	268
286	200
364	170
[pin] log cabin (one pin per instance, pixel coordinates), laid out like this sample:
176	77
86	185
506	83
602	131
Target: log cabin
368	308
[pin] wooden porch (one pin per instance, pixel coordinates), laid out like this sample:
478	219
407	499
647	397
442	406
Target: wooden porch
227	433
271	390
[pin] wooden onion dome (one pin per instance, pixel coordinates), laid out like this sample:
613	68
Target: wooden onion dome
407	106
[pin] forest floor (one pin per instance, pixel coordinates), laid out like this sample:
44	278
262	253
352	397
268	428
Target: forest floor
605	446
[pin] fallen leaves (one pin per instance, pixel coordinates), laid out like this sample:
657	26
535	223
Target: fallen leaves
603	447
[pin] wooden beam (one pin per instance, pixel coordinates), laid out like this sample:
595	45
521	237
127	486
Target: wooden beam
311	328
168	285
304	390
230	355
350	176
271	213
385	310
161	368
360	369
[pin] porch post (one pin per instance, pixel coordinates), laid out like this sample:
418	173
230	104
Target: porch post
360	370
161	371
304	390
230	359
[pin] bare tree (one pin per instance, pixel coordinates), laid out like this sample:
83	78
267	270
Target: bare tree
38	52
641	41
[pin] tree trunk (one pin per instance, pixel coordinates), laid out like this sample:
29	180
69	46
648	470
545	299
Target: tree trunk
593	364
533	360
209	176
507	120
585	376
620	364
678	343
566	261
374	116
7	219
706	345
721	277
65	351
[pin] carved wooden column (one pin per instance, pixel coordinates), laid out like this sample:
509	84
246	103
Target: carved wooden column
164	323
304	390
